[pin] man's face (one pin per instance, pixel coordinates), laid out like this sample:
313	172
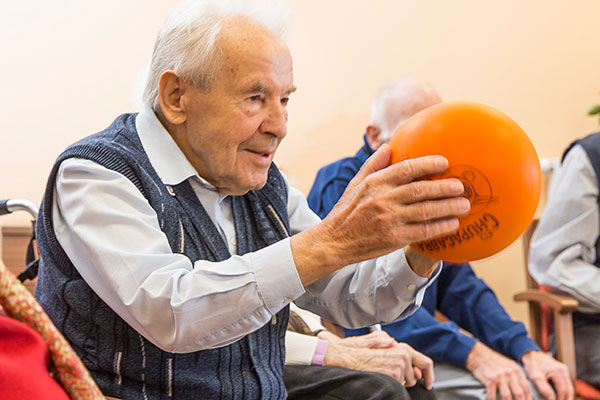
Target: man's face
232	131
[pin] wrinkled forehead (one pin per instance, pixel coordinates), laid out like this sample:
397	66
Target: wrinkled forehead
242	38
252	55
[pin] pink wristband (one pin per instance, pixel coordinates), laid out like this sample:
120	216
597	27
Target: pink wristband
320	351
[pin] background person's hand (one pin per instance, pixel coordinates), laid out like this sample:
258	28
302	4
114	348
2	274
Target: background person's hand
542	369
498	374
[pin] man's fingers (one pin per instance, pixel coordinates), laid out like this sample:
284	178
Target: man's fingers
424	365
491	388
519	392
543	387
403	172
378	340
428	377
378	161
409	375
417	372
416	168
562	383
435	209
417	191
504	390
429	230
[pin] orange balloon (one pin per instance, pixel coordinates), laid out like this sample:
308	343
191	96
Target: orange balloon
497	164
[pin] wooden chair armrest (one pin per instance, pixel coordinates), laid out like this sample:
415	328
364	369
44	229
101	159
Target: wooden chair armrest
333	328
558	303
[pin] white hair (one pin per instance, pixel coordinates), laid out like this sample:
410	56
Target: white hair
187	41
399	100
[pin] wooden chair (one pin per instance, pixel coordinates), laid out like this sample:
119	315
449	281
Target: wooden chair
549	312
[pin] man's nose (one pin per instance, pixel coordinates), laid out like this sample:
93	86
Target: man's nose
275	122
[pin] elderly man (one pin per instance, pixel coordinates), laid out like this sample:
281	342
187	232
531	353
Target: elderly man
171	245
466	367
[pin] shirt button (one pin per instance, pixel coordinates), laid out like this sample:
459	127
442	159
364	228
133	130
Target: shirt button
411	287
233	241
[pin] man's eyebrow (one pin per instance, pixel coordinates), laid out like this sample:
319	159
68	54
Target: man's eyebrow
258	88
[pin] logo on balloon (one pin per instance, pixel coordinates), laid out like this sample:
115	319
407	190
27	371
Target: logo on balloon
477	187
482	228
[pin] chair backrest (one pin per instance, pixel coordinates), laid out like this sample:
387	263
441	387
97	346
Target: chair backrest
526	239
541	324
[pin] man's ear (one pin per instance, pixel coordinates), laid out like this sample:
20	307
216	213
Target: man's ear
170	91
374	136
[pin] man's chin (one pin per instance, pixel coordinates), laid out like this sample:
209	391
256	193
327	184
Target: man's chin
241	188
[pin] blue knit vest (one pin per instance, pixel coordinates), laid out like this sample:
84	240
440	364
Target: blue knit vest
125	364
591	145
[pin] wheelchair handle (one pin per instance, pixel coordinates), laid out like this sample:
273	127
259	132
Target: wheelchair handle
8	206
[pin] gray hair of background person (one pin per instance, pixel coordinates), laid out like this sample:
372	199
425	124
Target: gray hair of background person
399	100
187	42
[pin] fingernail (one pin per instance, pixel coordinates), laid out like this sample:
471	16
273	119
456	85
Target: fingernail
441	162
464	204
457	186
454	224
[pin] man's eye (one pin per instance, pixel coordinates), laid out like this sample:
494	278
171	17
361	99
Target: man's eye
254	98
285	100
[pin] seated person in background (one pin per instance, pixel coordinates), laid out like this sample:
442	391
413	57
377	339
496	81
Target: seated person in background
465	366
564	252
374	366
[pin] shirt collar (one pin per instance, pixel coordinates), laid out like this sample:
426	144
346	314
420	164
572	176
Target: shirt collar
166	157
365	151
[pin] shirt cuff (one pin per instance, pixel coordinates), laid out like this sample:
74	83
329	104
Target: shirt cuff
458	350
320	351
276	275
522	345
300	349
406	282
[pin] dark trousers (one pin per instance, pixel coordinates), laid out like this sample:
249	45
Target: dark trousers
310	382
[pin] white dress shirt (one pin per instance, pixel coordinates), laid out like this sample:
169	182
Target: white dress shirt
563	247
112	236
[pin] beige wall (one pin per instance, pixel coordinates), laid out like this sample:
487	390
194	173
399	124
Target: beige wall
68	69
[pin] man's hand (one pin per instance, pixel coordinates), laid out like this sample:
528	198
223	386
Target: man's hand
378	352
541	369
383	209
373	340
498	373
